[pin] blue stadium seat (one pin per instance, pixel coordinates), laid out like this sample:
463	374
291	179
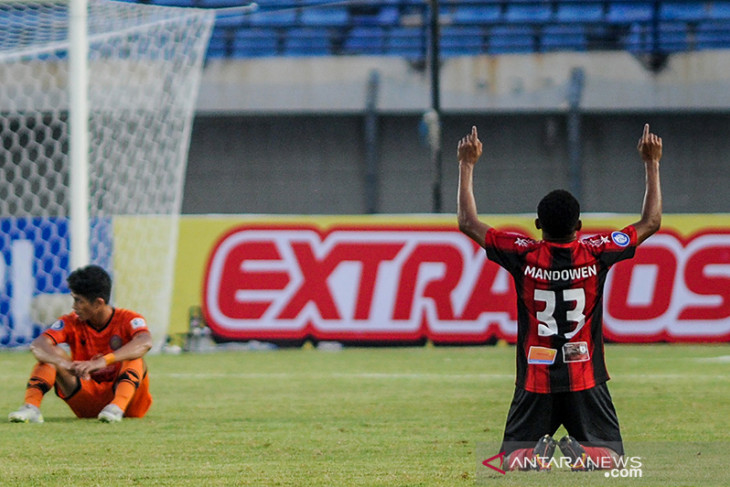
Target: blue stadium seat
388	16
567	37
255	43
284	18
461	40
231	20
174	3
331	16
367	15
219	3
674	37
638	39
579	12
469	14
307	41
365	40
622	12
217	47
719	10
511	39
272	4
528	12
670	37
712	35
682	11
410	42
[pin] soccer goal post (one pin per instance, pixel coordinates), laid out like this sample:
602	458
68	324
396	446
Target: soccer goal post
144	65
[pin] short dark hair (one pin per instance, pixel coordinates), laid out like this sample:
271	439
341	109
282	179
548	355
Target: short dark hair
558	213
91	282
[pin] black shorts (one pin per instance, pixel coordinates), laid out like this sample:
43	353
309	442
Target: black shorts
588	416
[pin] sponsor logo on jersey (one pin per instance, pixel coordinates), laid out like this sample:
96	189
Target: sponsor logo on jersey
541	355
620	239
576	352
138	323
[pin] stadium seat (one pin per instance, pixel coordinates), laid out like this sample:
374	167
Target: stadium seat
579	12
331	16
284	18
511	39
219	45
670	37
638	39
624	12
374	15
388	16
528	12
568	37
469	14
719	10
174	3
368	40
461	40
231	20
269	4
673	37
217	48
254	43
307	41
712	35
682	11
410	42
218	3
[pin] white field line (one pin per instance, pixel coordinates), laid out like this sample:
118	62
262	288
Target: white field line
415	376
720	359
333	375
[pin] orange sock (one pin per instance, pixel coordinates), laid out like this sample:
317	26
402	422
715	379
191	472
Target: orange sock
129	378
42	378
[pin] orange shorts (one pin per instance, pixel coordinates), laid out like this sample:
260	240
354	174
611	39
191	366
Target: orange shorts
91	397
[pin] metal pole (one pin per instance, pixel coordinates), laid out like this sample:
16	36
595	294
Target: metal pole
575	92
371	144
79	133
433	117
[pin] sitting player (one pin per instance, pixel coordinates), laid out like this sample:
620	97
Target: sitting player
105	376
561	373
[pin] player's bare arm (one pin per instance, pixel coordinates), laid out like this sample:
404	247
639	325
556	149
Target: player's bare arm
650	150
137	347
47	352
468	152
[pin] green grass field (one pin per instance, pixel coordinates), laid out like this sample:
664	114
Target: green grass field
368	417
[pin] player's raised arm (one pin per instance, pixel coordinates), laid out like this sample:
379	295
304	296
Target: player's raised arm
468	152
650	150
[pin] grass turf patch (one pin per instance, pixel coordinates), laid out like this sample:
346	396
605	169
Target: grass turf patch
376	416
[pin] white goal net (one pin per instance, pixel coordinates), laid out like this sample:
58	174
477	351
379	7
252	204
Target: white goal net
144	69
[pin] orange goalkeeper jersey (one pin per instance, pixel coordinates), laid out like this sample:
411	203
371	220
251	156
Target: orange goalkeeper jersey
87	343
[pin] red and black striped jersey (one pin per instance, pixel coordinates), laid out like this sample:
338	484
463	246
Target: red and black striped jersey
560	305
